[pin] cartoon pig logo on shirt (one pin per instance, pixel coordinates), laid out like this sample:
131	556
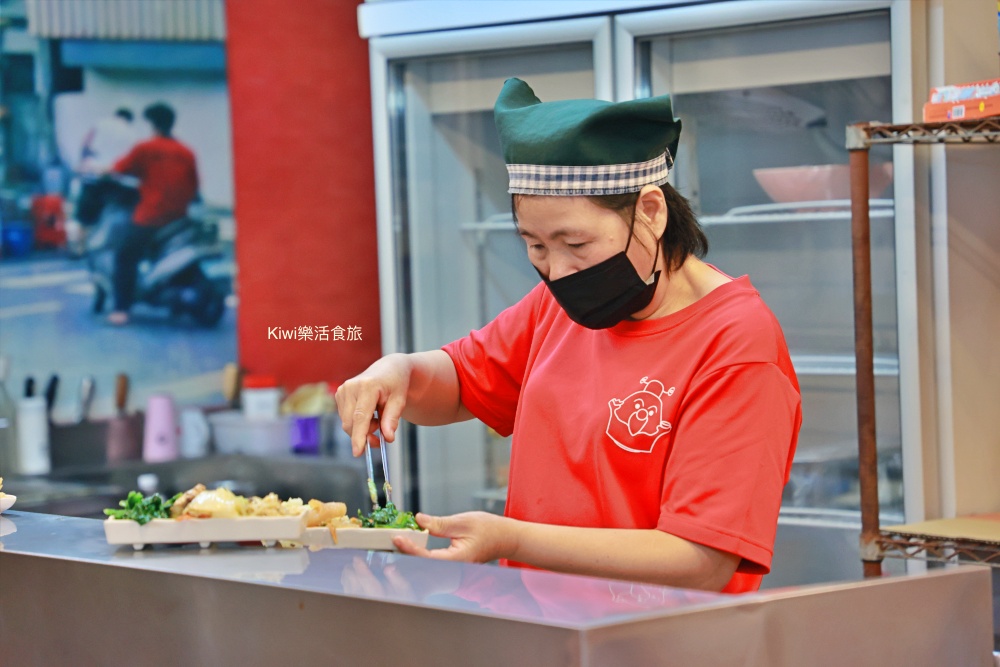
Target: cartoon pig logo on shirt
636	421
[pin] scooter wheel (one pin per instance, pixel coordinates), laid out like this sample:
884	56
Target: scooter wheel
210	312
211	306
100	297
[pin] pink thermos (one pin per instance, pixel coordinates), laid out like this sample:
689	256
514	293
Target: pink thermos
160	437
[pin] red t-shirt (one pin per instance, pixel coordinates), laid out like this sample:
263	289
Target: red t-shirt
168	179
686	423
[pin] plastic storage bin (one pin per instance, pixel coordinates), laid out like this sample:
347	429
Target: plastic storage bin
233	433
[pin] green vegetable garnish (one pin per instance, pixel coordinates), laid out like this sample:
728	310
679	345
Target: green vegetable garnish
388	517
143	510
372	492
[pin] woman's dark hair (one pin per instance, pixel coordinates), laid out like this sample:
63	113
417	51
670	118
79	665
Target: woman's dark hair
161	116
683	236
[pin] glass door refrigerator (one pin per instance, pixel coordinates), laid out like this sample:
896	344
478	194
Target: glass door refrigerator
764	97
765	91
450	258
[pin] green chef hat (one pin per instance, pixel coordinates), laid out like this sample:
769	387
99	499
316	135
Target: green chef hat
584	147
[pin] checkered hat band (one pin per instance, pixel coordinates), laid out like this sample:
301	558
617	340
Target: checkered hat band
602	179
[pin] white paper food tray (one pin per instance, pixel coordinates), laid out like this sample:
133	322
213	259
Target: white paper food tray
352	537
266	529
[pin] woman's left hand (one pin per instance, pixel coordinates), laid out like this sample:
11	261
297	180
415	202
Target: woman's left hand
476	537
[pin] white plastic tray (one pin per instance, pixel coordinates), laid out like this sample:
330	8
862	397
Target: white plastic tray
266	529
375	539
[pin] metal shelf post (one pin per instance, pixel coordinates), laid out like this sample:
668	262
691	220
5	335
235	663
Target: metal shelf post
860	137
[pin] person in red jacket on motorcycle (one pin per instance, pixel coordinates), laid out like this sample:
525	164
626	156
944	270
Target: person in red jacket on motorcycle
168	183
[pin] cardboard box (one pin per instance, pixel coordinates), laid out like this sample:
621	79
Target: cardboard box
967	101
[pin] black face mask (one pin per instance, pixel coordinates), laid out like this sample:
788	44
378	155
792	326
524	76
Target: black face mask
603	295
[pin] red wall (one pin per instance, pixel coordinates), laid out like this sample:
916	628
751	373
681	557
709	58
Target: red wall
305	202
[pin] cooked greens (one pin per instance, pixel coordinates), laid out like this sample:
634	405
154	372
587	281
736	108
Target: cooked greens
388	517
142	510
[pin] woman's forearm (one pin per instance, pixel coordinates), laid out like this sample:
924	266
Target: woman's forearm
433	396
650	556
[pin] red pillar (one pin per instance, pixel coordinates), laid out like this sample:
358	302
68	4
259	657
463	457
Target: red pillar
305	205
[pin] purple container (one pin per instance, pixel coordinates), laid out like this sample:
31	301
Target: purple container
305	435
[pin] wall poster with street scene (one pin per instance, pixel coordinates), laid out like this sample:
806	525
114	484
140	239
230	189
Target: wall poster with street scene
117	228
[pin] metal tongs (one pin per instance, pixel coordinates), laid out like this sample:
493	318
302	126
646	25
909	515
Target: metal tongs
387	487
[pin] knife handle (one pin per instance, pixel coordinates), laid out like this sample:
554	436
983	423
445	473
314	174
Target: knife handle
87	386
50	393
231	384
121	392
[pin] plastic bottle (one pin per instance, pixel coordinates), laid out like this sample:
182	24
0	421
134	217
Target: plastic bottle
261	397
8	423
33	437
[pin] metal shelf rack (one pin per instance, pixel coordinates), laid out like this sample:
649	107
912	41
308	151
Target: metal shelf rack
910	542
899	542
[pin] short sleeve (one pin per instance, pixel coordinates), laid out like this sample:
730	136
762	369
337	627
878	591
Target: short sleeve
731	455
491	363
129	163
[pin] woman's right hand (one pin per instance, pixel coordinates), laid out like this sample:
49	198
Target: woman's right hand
382	387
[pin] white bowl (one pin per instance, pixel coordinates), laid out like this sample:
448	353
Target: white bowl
6	502
819	182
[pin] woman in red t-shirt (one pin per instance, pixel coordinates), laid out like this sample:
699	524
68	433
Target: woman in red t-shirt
652	401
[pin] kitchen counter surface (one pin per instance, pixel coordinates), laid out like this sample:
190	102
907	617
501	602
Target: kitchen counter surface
418	581
304	606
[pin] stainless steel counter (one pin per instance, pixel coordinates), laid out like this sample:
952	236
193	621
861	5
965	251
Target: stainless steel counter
67	597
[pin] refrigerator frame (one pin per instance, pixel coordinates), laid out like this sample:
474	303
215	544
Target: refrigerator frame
384	54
